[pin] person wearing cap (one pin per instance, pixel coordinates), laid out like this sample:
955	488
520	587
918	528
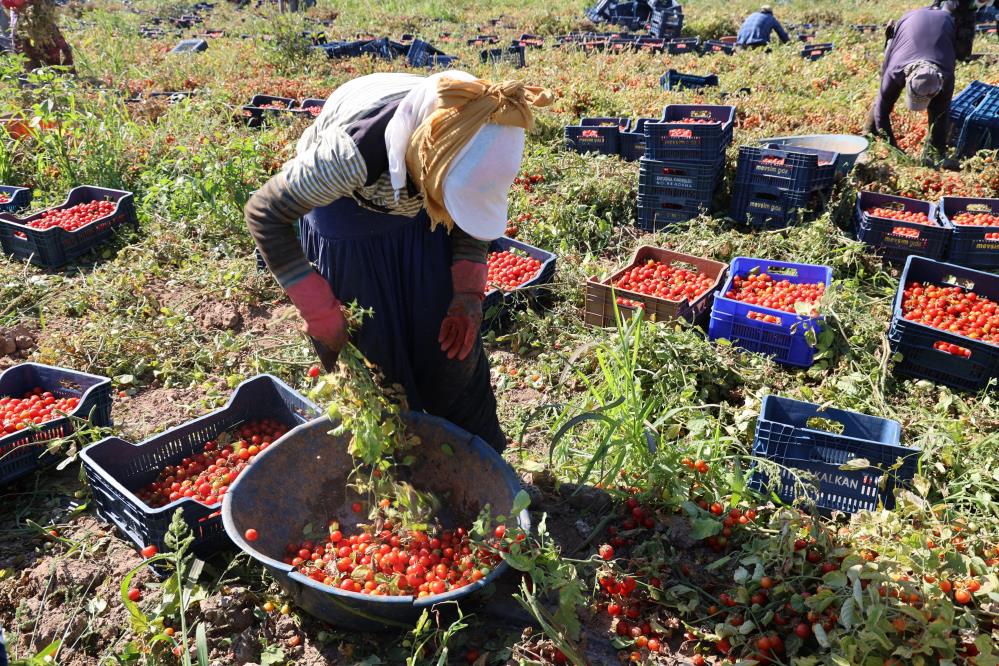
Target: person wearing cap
756	29
401	183
920	59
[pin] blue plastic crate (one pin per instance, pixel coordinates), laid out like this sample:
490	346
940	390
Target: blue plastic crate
631	143
894	239
116	469
674	179
974	247
511	55
652	45
816	51
684	45
497	302
596	135
663	213
794	435
803	171
56	247
965	102
674	80
915	341
980	129
787	341
18	198
768	207
672	140
25	451
717	46
666	21
190	46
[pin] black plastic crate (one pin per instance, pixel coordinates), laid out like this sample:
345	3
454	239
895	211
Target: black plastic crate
652	45
673	140
116	469
792	169
529	40
56	247
664	213
511	55
596	135
421	53
971	246
482	40
16	198
666	21
25	451
896	239
190	46
673	179
795	435
684	45
816	51
717	46
916	343
496	302
631	143
768	207
674	80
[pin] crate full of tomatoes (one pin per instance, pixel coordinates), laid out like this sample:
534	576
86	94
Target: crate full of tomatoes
974	225
56	236
899	226
772	308
36	405
596	135
660	284
945	324
515	270
138	487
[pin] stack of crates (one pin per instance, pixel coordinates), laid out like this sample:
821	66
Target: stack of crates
774	183
974	114
683	163
666	20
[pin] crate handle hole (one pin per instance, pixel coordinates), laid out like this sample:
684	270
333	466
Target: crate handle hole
781	270
951	349
825	424
905	231
960	282
764	318
978	208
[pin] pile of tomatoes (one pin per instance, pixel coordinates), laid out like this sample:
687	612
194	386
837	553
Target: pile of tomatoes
508	270
206	476
662	280
952	309
74	217
35	407
391	560
967	219
275	106
686	133
900	215
778	294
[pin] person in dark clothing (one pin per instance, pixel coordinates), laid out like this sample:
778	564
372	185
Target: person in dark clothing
756	29
966	16
401	183
920	59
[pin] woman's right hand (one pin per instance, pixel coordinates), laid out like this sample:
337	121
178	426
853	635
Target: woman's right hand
322	312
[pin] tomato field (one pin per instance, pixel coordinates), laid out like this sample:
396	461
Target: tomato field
660	450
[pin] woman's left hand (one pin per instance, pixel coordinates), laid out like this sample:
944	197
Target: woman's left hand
461	326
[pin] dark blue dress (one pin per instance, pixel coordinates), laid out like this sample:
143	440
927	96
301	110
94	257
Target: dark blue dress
400	269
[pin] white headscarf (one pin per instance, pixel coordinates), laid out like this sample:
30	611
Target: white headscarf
415	107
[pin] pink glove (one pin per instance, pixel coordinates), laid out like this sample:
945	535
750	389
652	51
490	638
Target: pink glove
321	311
464	317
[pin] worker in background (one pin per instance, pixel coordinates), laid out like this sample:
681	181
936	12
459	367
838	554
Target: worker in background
6	42
920	58
402	182
756	29
37	36
966	17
